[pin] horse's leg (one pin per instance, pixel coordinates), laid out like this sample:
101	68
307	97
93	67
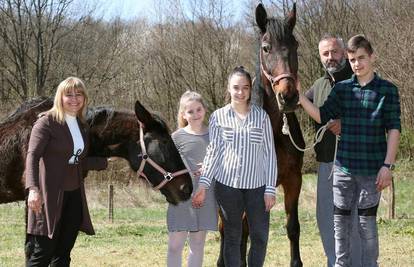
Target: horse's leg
292	190
220	260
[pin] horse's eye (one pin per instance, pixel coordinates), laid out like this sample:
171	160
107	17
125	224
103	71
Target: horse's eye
266	47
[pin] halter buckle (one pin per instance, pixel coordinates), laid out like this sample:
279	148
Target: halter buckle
168	176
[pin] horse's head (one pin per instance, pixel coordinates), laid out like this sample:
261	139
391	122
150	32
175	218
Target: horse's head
117	133
278	57
160	148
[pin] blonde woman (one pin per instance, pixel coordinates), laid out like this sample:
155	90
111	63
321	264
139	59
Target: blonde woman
184	222
56	159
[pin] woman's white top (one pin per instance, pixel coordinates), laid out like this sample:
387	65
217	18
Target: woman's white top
241	153
78	144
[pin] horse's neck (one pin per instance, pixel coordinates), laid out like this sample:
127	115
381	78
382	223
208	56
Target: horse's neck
276	118
117	143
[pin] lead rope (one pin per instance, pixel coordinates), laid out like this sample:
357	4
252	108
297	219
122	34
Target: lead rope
318	138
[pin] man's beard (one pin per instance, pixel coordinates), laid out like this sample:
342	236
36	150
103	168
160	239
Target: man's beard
337	67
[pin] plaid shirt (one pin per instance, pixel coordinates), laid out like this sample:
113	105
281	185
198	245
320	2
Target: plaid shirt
366	114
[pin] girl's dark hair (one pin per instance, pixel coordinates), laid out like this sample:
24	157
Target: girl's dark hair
240	70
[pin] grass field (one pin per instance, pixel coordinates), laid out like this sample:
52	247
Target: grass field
138	235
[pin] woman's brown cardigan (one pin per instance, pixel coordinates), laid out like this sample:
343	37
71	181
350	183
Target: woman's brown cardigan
50	148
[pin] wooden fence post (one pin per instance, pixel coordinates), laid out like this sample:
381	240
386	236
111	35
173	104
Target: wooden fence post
111	196
111	203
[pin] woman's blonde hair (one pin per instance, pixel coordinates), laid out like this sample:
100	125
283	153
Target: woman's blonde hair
185	98
67	86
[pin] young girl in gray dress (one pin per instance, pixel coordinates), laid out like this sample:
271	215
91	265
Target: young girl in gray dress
184	221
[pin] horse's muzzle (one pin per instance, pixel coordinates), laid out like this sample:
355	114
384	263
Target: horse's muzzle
287	104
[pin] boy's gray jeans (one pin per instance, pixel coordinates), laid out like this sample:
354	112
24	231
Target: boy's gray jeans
347	190
325	218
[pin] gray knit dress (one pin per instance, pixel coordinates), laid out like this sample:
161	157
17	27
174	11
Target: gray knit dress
183	217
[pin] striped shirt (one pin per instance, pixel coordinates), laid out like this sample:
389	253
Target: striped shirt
366	113
241	153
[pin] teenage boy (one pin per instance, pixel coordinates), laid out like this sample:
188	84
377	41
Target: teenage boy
369	109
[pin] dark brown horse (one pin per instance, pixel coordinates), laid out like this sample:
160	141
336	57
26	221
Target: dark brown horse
275	89
113	133
278	61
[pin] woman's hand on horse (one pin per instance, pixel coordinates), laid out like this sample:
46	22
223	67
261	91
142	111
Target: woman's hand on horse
270	201
199	197
34	200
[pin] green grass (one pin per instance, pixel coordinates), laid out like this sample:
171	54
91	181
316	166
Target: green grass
138	235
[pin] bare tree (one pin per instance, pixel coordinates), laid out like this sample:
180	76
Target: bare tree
16	36
31	30
94	52
193	49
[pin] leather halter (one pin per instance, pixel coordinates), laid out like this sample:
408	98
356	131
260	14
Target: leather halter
168	176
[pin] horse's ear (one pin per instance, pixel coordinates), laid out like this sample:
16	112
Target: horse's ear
261	17
143	115
290	20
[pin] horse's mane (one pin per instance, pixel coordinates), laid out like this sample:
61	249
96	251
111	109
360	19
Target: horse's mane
95	115
42	103
108	121
279	30
105	117
31	103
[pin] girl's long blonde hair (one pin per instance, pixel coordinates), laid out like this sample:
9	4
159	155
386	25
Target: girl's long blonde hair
185	98
68	85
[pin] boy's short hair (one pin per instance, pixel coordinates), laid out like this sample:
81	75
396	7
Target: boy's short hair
359	41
